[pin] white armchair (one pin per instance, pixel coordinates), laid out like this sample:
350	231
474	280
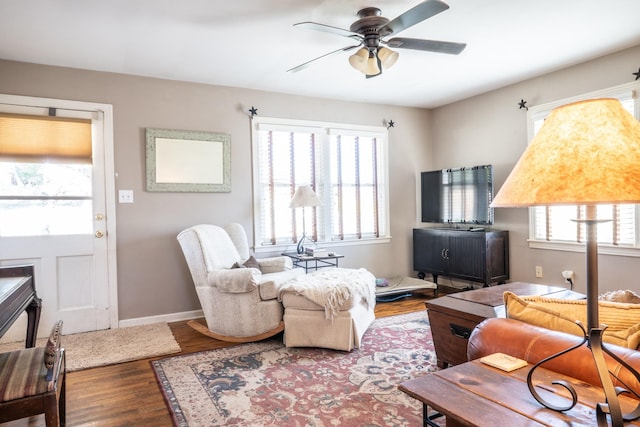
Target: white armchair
240	304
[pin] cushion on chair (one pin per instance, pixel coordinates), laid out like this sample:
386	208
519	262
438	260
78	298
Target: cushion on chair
251	262
275	264
24	372
234	281
270	283
622	320
53	345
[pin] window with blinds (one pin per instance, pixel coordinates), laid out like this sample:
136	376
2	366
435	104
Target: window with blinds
557	223
345	165
45	175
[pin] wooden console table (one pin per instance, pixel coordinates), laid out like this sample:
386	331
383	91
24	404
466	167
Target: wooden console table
17	294
474	394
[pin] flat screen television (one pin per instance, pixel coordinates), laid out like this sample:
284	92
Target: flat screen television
458	196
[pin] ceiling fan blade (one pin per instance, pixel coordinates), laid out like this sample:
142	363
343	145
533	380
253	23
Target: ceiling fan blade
306	64
427	45
418	13
328	29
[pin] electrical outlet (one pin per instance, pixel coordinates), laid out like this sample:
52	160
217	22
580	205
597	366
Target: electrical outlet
568	276
538	271
125	196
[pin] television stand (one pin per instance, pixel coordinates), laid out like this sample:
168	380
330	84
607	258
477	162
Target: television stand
475	256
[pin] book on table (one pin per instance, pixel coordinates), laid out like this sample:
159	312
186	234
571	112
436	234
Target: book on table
503	361
316	252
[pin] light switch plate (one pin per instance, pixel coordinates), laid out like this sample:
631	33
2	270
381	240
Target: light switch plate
125	196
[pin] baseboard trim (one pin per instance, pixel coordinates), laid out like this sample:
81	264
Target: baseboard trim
172	317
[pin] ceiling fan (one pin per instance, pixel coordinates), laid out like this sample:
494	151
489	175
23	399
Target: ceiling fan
370	30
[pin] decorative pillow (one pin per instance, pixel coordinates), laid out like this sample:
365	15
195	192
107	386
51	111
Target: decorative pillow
620	296
251	262
53	345
622	320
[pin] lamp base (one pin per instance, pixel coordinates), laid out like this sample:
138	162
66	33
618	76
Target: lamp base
610	409
301	244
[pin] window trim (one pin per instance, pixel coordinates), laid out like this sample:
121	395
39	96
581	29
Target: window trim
323	129
534	113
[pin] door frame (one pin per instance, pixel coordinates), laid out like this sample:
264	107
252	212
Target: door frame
109	179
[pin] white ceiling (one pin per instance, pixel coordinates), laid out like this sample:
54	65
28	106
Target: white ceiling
251	44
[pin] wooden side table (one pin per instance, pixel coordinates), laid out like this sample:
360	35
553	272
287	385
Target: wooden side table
311	262
476	395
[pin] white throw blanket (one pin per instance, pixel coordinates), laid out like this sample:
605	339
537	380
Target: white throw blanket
332	287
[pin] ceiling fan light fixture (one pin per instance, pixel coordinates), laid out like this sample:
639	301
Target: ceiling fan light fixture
372	68
359	59
387	57
371	30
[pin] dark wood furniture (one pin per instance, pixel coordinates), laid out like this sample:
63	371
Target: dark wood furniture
474	394
453	317
32	381
476	256
311	262
17	294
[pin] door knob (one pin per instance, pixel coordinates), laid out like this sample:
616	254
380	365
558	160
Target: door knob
99	234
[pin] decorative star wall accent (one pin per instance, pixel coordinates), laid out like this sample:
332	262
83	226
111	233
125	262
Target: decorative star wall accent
523	104
253	111
637	74
390	124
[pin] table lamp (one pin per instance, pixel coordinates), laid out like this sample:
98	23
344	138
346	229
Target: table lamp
586	153
304	197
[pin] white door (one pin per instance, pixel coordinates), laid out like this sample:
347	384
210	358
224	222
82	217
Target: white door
61	223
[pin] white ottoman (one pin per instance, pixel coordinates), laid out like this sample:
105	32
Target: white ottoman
329	308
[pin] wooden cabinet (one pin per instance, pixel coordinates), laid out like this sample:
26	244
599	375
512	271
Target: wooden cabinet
477	256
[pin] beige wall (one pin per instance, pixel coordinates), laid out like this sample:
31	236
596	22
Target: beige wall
152	276
491	128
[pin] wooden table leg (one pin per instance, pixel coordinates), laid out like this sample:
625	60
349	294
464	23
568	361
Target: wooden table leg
33	319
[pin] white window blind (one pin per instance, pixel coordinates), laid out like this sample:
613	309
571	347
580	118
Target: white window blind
346	166
46	172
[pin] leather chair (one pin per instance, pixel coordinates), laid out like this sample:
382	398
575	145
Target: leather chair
534	343
32	382
238	293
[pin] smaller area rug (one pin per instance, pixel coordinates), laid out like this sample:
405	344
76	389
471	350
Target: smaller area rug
111	346
266	383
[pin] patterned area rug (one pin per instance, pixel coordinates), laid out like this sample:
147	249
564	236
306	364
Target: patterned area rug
268	384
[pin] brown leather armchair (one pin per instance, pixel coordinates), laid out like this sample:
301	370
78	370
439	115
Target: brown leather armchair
533	343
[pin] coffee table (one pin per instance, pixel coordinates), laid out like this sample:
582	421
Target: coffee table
474	394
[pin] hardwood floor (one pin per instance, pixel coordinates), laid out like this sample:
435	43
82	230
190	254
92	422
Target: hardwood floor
127	394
